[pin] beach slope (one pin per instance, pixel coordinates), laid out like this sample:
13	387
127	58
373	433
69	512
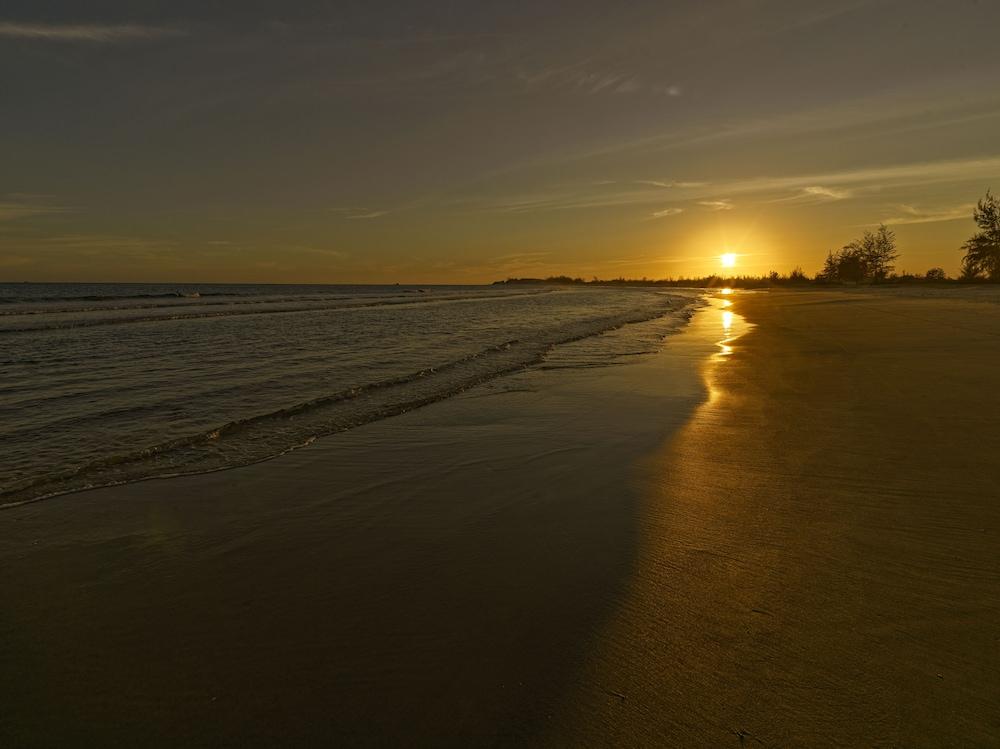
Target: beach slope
819	561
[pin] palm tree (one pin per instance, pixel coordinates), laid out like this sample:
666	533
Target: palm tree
982	251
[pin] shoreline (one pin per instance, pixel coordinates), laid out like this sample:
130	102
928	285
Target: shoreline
261	437
448	560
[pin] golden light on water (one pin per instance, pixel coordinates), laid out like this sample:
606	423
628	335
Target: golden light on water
728	259
726	291
727	321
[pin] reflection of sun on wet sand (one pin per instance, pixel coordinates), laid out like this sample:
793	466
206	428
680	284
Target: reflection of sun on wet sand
819	555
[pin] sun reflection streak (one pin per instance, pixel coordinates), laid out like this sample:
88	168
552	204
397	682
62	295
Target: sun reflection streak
733	326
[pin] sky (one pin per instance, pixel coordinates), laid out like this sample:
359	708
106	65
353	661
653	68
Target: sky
463	142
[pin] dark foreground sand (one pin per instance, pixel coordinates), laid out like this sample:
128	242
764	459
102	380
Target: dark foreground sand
810	557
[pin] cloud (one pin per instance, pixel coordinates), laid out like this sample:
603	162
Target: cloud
16	207
811	194
801	188
904	112
883	177
667	212
914	215
360	213
717	205
13	261
98	34
584	77
105	242
658	183
518	257
628	87
327	252
832	193
822	15
667	90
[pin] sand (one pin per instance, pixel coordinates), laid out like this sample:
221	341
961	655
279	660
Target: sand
820	553
429	578
795	544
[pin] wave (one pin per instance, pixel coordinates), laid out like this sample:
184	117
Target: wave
268	435
251	309
105	297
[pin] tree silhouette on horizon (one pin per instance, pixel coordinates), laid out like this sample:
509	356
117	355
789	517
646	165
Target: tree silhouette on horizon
982	250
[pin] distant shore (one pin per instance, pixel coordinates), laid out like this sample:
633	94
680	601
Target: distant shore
794	280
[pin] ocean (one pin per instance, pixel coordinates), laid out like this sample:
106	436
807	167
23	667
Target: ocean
109	383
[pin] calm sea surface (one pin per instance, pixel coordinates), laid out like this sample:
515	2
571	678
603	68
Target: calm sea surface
106	383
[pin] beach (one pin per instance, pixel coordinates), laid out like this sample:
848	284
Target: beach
819	562
780	529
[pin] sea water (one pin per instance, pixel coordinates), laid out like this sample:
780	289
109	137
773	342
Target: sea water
108	383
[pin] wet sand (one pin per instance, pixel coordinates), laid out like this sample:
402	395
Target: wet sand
795	544
427	579
819	561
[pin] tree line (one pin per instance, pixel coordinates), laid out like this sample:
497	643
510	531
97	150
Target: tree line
982	251
869	259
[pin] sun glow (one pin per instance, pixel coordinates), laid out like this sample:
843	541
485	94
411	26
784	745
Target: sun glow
728	259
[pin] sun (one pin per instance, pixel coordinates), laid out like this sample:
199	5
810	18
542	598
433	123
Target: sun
728	259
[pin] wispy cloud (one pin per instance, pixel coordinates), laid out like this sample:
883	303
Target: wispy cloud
882	177
902	113
328	252
26	206
912	215
811	194
667	90
823	15
13	261
658	183
98	34
87	247
520	257
832	193
791	189
717	205
360	213
587	78
100	242
667	212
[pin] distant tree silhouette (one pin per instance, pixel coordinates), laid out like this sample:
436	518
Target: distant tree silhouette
844	265
936	274
870	258
851	266
969	271
876	252
798	275
830	270
982	251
